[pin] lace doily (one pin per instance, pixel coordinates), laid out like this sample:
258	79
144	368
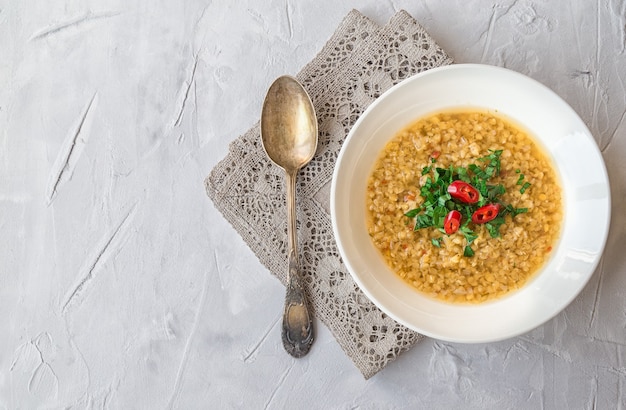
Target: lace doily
358	63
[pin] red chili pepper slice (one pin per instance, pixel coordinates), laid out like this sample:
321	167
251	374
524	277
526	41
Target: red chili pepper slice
464	192
485	213
452	222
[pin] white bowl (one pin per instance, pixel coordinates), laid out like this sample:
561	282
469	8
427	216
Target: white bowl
579	164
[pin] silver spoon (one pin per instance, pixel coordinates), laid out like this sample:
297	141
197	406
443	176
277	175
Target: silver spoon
289	134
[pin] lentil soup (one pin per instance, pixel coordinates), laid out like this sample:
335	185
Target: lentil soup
498	265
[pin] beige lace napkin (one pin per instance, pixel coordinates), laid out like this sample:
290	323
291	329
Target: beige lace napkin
359	62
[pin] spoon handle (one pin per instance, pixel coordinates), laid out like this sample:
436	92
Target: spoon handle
297	332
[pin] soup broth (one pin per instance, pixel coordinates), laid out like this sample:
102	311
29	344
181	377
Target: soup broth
432	261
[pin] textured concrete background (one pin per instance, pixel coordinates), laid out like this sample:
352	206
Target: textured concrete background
122	287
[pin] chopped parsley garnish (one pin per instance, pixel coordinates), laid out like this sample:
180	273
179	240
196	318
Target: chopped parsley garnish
524	187
520	181
438	202
436	241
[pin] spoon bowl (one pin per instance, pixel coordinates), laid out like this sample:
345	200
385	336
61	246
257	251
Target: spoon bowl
288	124
289	136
